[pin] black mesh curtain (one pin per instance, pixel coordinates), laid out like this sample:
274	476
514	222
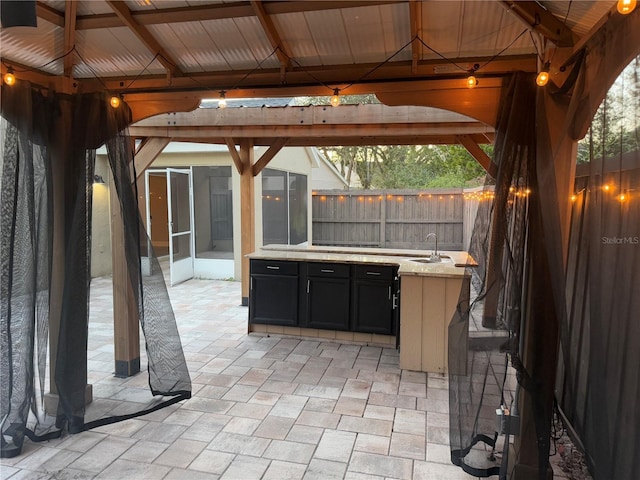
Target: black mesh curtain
40	134
525	290
484	339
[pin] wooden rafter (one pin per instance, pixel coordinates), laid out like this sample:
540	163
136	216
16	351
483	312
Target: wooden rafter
49	14
267	156
542	21
272	34
415	18
70	8
123	12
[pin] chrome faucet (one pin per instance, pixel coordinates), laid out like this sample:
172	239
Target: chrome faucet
434	255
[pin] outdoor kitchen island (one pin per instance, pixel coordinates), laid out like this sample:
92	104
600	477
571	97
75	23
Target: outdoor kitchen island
353	295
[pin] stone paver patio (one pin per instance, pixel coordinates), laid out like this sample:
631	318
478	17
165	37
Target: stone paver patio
263	407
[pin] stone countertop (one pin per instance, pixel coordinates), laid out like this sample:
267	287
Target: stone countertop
453	262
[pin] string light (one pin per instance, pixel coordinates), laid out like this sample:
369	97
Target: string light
626	6
472	81
335	98
222	101
543	76
9	77
114	101
622	197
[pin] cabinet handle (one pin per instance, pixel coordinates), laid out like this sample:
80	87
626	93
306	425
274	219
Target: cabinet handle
308	285
389	292
373	273
251	283
271	267
395	302
326	270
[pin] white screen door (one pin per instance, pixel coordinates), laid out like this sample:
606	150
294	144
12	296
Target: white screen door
180	208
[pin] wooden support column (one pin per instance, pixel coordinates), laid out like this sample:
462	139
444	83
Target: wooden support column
126	332
247	213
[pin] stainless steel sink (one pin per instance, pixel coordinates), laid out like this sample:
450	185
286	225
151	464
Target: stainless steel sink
431	259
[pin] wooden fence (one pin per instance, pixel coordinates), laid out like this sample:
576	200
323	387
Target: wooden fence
389	218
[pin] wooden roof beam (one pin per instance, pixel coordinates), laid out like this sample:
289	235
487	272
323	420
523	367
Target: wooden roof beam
70	9
123	12
538	18
260	80
49	14
272	34
415	18
267	156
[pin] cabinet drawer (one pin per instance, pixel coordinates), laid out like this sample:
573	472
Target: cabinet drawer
275	267
375	272
321	269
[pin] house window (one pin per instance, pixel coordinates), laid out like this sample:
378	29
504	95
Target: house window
284	207
213	212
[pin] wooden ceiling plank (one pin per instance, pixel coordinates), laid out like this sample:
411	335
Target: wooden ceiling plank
476	152
267	156
231	145
536	17
49	14
70	9
123	12
272	34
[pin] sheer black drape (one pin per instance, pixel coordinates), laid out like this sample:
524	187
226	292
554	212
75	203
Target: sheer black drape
48	152
484	341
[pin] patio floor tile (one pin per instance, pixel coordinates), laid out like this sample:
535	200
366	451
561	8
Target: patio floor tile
263	407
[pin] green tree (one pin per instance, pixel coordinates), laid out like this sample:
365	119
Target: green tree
401	166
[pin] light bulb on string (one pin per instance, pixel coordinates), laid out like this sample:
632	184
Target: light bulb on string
9	77
626	6
472	81
335	98
114	101
222	101
543	76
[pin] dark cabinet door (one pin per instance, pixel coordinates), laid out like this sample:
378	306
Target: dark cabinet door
327	296
274	293
374	293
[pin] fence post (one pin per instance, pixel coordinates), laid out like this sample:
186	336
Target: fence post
383	221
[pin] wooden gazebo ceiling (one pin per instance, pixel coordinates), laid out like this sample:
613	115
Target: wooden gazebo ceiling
167	55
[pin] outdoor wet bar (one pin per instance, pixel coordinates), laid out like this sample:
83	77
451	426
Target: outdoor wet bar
396	298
